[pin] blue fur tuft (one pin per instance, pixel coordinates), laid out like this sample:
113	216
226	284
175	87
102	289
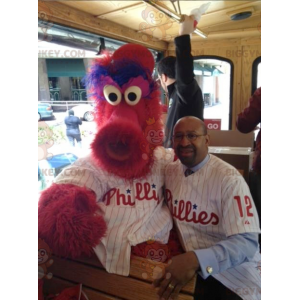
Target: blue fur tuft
120	71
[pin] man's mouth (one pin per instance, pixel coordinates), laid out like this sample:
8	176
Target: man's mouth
185	152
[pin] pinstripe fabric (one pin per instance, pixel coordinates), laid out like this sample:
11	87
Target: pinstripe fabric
133	210
210	205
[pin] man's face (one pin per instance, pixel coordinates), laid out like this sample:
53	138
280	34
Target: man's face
162	82
190	152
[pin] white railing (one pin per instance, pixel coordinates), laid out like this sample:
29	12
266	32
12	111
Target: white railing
68	104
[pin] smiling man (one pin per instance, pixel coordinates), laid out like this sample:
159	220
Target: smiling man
216	220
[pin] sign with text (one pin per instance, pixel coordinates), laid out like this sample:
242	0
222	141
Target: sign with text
213	124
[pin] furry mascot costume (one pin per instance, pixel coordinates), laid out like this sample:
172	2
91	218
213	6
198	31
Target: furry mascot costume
113	199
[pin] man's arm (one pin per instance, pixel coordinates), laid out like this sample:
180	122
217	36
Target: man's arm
226	254
184	60
186	84
251	116
241	226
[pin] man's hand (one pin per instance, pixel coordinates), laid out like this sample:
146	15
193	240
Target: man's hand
187	26
177	274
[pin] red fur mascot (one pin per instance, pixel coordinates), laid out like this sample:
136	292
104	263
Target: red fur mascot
113	199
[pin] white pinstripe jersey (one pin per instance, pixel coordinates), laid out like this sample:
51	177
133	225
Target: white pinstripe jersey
210	205
133	210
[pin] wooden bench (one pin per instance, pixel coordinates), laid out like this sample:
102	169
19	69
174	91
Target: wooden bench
100	285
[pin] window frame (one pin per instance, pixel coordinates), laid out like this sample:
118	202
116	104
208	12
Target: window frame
231	80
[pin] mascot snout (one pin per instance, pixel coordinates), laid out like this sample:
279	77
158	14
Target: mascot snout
75	212
116	145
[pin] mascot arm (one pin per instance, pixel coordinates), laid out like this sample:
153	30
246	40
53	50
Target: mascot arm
69	220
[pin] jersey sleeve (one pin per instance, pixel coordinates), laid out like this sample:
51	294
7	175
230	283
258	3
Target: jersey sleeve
238	209
81	173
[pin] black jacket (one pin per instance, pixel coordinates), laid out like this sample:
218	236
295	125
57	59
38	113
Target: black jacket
72	124
185	95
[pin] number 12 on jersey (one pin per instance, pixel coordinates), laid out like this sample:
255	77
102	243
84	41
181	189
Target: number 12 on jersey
247	203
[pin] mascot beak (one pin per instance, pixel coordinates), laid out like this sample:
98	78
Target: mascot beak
117	144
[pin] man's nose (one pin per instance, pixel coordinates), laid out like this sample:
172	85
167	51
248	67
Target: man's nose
185	141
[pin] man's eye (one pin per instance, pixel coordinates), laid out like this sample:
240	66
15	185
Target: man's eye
191	136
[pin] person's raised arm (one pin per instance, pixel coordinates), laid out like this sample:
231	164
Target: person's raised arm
188	89
184	58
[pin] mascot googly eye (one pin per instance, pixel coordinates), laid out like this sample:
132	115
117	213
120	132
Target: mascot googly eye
74	214
133	95
112	95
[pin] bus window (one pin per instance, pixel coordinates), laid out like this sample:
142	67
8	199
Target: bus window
63	62
256	74
258	81
214	77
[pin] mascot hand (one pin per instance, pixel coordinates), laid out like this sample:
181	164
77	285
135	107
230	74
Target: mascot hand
70	220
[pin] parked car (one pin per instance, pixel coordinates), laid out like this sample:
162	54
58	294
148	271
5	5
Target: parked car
84	111
49	168
44	111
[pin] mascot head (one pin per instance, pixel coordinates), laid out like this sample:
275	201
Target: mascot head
126	96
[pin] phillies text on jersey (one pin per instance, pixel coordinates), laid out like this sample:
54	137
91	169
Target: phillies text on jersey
134	210
207	207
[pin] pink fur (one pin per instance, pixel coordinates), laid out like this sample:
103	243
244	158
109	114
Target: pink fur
69	220
119	128
136	53
69	217
124	120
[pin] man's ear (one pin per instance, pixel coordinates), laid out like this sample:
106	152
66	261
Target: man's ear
207	140
164	77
